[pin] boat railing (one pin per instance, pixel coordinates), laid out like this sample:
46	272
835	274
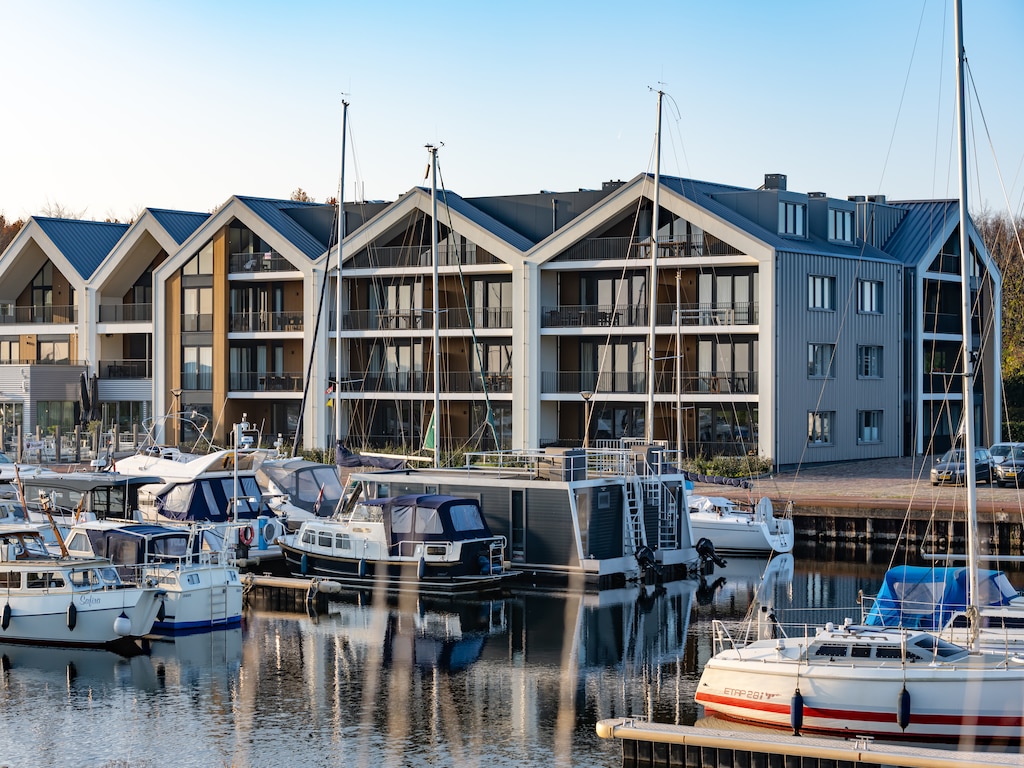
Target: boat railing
568	464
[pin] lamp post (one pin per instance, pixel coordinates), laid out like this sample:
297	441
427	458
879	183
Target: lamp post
586	395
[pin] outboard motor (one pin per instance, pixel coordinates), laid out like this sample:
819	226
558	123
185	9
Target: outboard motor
708	557
648	562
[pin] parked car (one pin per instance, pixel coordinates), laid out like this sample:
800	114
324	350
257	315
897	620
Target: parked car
1000	451
1011	469
951	469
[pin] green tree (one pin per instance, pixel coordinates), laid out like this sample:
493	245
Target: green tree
302	196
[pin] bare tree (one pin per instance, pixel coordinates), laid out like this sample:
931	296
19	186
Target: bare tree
300	195
8	230
58	211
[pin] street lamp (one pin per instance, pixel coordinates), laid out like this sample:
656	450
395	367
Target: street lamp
586	395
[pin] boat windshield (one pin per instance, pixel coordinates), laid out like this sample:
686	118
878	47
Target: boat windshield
372	513
931	645
466	517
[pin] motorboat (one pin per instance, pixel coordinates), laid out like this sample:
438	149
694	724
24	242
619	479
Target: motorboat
740	529
427	543
307	486
70	497
65	601
204	590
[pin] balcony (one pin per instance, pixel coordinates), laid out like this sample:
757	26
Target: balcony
617	248
266	322
422	319
126	313
405	257
593	315
422	382
635	382
256	263
126	369
288	381
11	314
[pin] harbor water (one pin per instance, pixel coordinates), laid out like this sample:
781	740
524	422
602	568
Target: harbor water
519	680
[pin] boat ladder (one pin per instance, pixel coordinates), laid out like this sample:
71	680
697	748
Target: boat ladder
635	536
668	517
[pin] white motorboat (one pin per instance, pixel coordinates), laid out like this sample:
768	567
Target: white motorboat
738	529
204	590
427	543
81	602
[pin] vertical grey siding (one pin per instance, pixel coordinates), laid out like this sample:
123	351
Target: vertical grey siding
846	394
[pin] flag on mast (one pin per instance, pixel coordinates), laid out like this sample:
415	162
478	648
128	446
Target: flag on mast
430	437
319	501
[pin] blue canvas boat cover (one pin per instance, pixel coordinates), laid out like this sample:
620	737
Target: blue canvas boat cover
919	597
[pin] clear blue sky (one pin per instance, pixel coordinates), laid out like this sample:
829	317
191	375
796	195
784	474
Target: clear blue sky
112	106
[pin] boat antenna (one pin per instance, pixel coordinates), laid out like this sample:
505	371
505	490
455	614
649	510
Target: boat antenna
967	407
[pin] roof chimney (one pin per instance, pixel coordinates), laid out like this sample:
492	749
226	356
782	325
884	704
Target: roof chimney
880	199
775	181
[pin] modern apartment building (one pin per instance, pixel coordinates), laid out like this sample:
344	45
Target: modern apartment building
802	327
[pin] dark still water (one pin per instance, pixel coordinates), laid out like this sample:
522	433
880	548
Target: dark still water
518	681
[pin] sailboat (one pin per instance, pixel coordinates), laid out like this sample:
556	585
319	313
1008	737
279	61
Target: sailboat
891	682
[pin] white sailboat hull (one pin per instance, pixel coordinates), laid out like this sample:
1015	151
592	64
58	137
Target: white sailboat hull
735	530
979	697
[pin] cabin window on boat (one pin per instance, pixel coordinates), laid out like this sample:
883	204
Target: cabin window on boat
325	539
401	519
894	652
830	650
83	579
171	546
44	580
309	537
343	541
109	575
10	579
466	517
933	645
428	521
79	543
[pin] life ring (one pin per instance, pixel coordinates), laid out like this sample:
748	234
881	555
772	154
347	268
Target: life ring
271	530
246	535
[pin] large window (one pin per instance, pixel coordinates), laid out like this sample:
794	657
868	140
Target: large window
821	361
197	368
197	309
201	263
492	302
869	362
9	350
53	350
869	426
56	413
869	297
840	225
792	219
819	427
821	292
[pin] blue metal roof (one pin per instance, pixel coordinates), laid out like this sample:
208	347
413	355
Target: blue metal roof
179	224
83	243
925	221
481	219
277	214
704	193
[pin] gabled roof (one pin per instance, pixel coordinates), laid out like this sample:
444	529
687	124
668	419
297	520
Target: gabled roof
179	224
83	243
926	221
481	219
284	216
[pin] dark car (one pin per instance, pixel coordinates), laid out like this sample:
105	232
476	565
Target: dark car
1011	469
950	468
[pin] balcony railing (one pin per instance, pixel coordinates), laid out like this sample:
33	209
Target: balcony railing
589	315
125	369
15	315
422	319
289	381
201	381
423	382
606	248
126	313
45	361
267	261
255	322
402	256
194	323
635	382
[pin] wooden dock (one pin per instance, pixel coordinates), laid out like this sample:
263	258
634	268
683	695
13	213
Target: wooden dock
659	745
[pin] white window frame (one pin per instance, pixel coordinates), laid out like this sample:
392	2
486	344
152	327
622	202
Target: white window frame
869	427
821	292
870	297
821	361
869	361
819	427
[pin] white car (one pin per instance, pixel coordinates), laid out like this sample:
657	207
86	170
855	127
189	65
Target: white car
1000	451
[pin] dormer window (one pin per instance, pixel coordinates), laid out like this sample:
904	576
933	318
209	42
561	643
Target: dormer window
792	219
840	225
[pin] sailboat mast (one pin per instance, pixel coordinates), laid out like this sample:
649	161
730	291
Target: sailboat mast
436	418
338	307
652	315
970	478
